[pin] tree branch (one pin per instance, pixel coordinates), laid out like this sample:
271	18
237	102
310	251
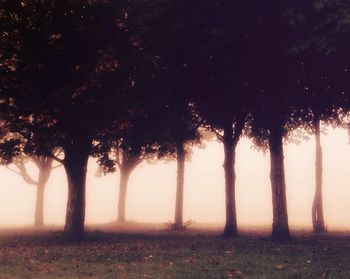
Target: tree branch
218	135
57	152
53	156
23	172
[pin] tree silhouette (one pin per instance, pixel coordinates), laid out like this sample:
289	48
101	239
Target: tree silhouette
320	31
44	165
124	149
225	84
275	95
68	76
178	119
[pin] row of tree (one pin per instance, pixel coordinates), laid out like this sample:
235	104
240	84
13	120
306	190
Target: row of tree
125	80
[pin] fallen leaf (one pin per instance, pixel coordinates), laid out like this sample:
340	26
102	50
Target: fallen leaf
280	266
234	273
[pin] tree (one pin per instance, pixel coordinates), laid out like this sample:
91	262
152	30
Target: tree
126	160
44	165
320	31
224	84
67	80
178	120
125	148
178	130
186	135
319	104
271	118
307	93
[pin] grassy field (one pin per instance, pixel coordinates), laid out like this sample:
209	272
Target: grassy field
154	252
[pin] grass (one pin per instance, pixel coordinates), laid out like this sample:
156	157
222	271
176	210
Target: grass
153	252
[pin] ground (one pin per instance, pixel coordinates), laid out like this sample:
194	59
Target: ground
155	252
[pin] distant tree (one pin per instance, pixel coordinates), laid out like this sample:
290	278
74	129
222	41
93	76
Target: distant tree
176	123
182	133
127	160
124	149
45	166
319	104
174	53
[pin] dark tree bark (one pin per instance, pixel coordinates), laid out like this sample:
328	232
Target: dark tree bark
230	177
317	205
280	228
230	141
180	159
75	163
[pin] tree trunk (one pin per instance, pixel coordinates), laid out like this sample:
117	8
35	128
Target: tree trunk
180	158
317	205
75	164
123	184
280	228
230	179
39	205
44	165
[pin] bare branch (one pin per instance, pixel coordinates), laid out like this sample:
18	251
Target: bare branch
53	156
23	172
57	152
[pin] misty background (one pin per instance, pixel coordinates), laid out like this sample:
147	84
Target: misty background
151	189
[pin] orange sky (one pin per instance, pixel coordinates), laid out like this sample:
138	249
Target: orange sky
152	188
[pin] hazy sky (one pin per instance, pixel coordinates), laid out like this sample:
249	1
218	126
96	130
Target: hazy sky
152	188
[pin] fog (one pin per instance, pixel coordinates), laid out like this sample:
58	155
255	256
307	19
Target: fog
151	190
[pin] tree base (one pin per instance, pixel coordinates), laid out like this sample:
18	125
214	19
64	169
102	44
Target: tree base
177	227
320	229
229	232
73	236
74	233
280	234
